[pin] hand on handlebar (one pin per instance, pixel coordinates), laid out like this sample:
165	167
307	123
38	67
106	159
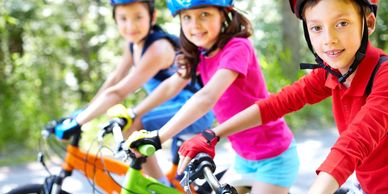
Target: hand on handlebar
204	142
143	137
120	111
66	128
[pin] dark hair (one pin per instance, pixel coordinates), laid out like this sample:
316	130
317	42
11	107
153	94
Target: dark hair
364	8
237	26
150	7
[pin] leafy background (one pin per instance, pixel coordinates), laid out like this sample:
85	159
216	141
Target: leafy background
54	55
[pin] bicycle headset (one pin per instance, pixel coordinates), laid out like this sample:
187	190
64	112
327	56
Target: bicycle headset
297	9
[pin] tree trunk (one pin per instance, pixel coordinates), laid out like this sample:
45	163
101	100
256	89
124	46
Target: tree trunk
291	41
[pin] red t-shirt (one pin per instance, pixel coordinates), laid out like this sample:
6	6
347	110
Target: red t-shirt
362	121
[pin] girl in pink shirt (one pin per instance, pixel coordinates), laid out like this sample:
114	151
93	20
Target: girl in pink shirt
215	45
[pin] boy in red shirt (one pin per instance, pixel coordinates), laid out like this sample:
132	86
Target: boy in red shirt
337	34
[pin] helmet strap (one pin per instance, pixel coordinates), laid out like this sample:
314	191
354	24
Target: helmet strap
360	54
206	52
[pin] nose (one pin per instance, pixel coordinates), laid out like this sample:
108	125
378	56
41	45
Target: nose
330	36
129	25
194	22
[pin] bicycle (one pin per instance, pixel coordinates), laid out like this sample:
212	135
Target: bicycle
98	169
201	167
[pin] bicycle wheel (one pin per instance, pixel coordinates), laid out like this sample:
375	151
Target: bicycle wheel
25	189
31	189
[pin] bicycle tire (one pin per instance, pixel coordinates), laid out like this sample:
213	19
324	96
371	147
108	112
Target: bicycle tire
27	189
31	189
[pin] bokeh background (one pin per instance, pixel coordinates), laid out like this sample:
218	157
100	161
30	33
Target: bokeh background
55	54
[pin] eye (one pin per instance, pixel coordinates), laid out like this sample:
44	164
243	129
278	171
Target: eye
185	17
121	18
204	14
315	28
342	24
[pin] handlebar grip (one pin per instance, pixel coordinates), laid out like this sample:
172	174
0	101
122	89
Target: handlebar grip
147	149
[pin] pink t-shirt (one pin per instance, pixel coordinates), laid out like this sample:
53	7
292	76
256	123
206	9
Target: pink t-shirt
256	143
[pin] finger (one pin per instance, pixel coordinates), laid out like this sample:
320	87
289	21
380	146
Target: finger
137	154
181	158
183	163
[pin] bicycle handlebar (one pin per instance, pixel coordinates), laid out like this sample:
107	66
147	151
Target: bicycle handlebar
115	127
203	167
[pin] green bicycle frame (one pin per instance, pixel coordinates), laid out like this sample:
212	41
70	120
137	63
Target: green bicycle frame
136	182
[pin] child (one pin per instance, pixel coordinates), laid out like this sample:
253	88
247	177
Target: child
149	54
337	32
214	39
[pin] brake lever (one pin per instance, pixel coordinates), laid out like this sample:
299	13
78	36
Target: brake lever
185	182
48	129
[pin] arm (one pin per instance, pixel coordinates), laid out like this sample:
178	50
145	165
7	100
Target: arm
158	56
362	144
165	91
199	104
325	183
306	90
118	74
245	119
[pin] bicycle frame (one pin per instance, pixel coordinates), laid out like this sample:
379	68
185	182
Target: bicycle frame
94	167
135	182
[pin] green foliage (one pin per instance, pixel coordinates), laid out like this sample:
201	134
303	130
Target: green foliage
55	54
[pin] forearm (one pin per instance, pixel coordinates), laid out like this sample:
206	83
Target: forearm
99	106
324	184
195	108
108	83
165	91
245	119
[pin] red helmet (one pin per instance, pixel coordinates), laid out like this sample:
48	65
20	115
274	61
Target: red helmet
297	6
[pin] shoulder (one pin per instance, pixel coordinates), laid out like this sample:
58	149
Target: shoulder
238	46
237	41
159	34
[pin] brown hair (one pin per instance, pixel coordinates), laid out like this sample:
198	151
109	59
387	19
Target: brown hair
237	26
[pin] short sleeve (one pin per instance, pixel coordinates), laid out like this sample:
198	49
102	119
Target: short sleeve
237	56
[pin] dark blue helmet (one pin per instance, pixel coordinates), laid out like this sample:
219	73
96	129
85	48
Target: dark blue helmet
175	6
120	2
114	3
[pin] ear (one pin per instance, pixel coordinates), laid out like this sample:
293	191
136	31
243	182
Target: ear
371	22
154	16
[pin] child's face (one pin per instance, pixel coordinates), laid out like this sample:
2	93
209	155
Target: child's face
133	21
202	26
335	29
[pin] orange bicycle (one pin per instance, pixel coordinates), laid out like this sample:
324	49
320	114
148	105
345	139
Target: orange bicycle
99	170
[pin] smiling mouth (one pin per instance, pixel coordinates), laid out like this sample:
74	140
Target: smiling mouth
199	35
334	52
